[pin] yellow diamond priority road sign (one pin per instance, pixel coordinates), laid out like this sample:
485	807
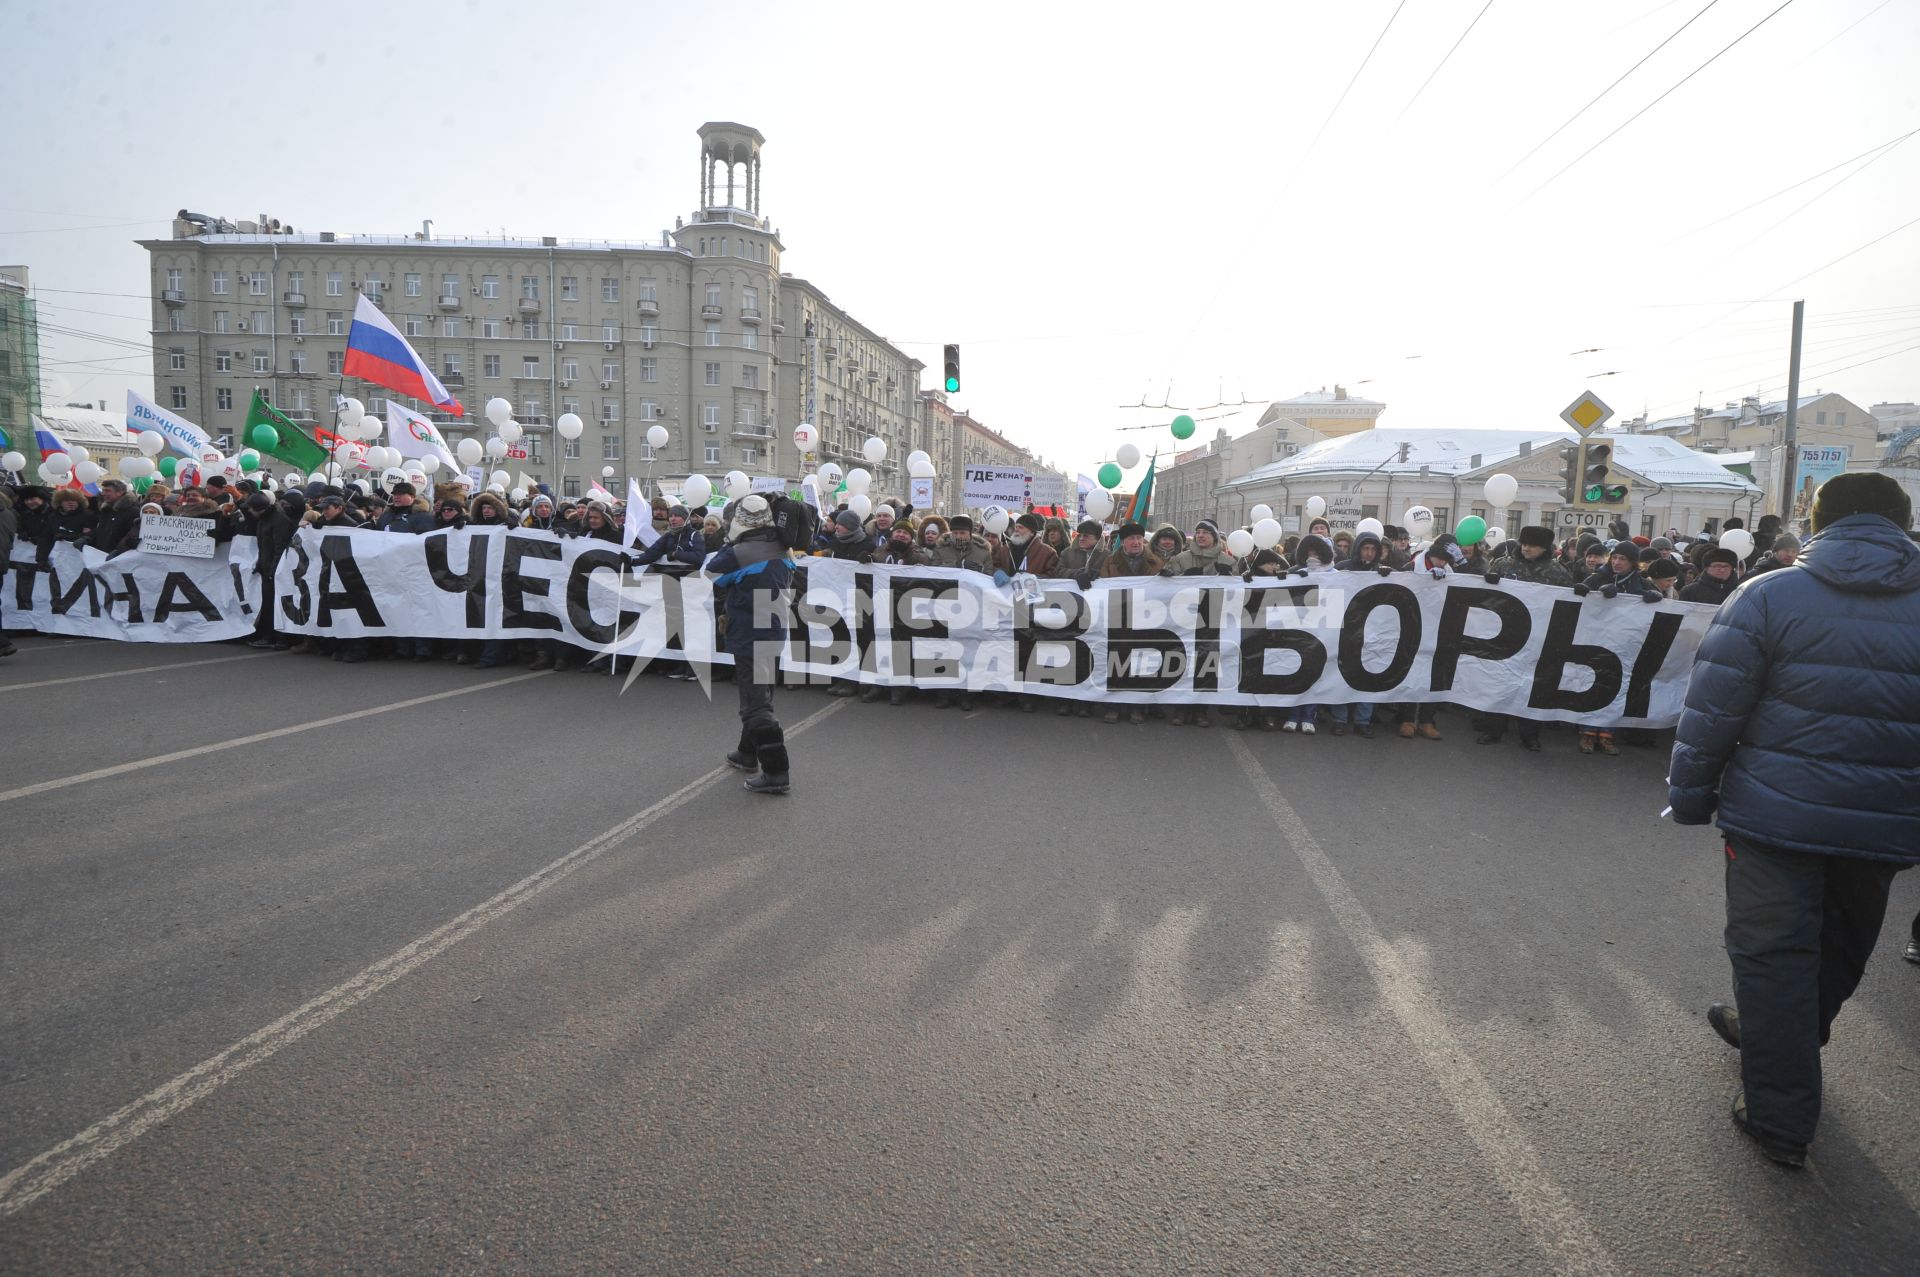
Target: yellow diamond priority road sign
1586	414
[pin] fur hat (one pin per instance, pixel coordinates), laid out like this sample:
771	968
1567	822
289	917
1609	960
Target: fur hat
1864	493
931	522
1720	555
403	490
1268	558
1536	536
960	523
1088	528
1031	521
1663	569
1313	546
1126	530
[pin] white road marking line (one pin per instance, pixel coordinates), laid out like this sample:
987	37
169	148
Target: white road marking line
143	669
26	1184
1550	1215
160	760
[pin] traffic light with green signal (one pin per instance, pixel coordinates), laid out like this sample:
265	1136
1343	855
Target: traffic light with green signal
952	383
1599	486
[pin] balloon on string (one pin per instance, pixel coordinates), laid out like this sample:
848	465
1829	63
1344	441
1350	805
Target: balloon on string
88	472
858	480
1316	506
393	475
350	411
519	495
249	460
263	436
1739	540
1109	476
510	431
570	426
1240	543
1099	503
496	448
1419	520
141	484
133	467
1495	536
805	436
829	477
469	452
59	463
1501	489
861	504
1470	531
429	464
168	465
874	450
1259	512
606	472
697	491
1128	455
1267	533
153	443
497	489
79	454
737	484
921	469
994	519
916	458
499	411
499	479
13	462
1369	525
48	476
1183	427
657	436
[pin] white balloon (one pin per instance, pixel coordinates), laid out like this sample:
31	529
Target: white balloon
510	431
918	458
861	504
995	520
1495	536
1240	543
1501	489
150	442
13	462
518	495
430	464
1316	506
1258	513
1419	520
805	436
697	491
606	472
1370	525
1739	540
88	472
1128	455
921	469
392	475
737	484
134	467
59	463
496	447
874	450
1267	533
499	479
352	409
657	436
469	452
79	454
382	457
497	489
570	425
1099	503
499	411
858	480
830	475
48	476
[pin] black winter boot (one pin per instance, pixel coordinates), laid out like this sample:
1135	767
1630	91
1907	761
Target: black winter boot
771	747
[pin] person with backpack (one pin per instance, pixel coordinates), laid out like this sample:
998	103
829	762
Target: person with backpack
752	578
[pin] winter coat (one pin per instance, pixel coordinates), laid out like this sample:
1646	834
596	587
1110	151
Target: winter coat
684	547
912	554
1162	532
854	547
273	533
1077	564
32	522
1194	561
751	576
1545	570
344	520
1119	565
974	556
111	522
1036	556
1708	590
1628	582
9	529
64	525
1802	721
1766	563
413	520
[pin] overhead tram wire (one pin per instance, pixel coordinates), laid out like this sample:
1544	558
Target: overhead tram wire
1610	88
1810	203
1782	191
1656	102
1843	30
1443	61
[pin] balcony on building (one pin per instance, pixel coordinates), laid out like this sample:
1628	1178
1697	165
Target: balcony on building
529	305
293	299
749	314
649	306
741	430
449	301
713	312
453	380
173	297
779	324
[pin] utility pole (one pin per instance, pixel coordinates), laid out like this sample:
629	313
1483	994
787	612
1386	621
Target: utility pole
1790	462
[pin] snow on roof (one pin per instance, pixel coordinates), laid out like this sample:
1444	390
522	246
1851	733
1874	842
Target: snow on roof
1325	396
88	426
1452	452
1681	424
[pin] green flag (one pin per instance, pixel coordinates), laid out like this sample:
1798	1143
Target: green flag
1143	495
291	444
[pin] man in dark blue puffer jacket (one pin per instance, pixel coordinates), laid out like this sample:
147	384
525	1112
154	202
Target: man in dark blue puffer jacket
1802	726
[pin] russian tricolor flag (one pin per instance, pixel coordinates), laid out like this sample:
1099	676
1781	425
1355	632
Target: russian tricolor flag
376	352
50	443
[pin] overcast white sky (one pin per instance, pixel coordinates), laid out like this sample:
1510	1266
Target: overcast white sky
1100	202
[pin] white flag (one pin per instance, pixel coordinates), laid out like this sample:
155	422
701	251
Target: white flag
412	435
639	523
182	436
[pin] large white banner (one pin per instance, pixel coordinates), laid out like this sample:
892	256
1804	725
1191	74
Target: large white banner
181	435
1330	637
136	597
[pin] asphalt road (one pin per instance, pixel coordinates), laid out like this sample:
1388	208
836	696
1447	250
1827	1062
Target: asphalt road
474	971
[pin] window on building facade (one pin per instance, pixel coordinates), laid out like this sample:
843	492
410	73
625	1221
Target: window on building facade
749	456
450	325
531	330
297	361
336	362
334	284
609	289
569	288
177	360
609	370
173	280
219	286
750	298
570	370
750	376
529	365
710	415
530	410
649	370
570	487
1839	418
713	454
570	449
489	328
1819	418
178	394
647	452
257	283
450	286
609	410
490	365
530	287
297	325
223	398
336	323
649	294
570	403
750	338
649	410
569	332
609	447
262	361
297	281
450	363
713	373
749	415
175	322
610	332
412	283
416	326
713	334
489	285
261	324
223	361
649	334
713	294
372	286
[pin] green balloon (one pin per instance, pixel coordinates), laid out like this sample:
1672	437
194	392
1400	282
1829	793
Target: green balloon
1471	531
144	482
168	465
1109	475
264	437
1183	427
249	461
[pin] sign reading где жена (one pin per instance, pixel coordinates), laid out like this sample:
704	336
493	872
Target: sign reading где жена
982	486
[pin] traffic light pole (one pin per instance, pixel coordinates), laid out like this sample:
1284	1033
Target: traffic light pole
1790	462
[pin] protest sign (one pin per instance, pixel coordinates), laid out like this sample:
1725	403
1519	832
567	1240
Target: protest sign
171	534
